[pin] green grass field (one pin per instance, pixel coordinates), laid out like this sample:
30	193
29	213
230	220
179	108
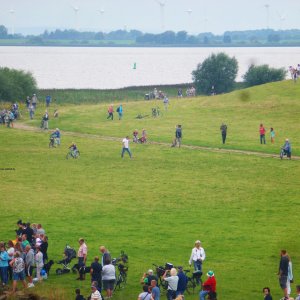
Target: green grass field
242	207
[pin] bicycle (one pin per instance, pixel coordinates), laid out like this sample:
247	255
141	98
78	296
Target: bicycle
193	281
121	280
160	271
73	154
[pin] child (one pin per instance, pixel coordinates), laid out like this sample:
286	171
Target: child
39	263
78	296
272	134
135	136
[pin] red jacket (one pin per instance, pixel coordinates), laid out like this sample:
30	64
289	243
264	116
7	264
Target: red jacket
262	130
210	284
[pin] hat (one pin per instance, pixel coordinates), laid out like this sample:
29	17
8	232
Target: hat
210	274
150	271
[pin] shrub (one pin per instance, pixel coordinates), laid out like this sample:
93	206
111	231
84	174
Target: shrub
16	84
257	75
218	71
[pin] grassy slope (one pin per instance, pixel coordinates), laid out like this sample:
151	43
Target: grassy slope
156	205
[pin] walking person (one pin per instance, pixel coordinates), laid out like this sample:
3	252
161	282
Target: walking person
283	272
45	120
223	129
48	100
272	135
120	111
262	134
34	101
166	102
125	148
110	113
178	136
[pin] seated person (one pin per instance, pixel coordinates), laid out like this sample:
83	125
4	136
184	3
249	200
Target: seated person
209	287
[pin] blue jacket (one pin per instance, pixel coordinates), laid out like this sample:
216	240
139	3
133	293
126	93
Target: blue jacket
182	281
4	259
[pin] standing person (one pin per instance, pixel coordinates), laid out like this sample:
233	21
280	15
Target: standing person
108	278
262	134
125	148
11	253
172	281
29	263
223	129
267	293
31	111
82	256
44	248
287	148
48	100
145	295
182	282
45	120
57	136
105	255
110	112
27	101
39	263
155	290
272	135
95	272
3	264
209	286
290	276
135	136
18	266
179	93
120	111
34	101
148	277
178	136
166	102
283	272
197	257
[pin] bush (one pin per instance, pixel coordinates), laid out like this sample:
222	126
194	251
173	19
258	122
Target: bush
257	75
218	71
15	84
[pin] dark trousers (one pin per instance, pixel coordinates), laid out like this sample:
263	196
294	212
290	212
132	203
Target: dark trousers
262	139
223	137
171	294
80	265
110	116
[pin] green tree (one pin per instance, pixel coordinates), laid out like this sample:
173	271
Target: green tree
15	84
257	75
218	71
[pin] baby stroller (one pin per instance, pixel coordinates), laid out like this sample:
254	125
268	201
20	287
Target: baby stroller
69	254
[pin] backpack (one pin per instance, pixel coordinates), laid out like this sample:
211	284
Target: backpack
118	109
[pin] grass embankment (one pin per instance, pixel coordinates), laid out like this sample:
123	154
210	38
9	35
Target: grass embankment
155	206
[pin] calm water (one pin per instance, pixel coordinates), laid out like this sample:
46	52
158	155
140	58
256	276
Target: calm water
104	68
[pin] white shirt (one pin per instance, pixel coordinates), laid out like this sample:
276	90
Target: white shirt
96	296
172	282
197	254
108	272
125	143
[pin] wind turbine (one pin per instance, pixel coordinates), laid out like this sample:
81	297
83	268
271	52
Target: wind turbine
162	13
189	12
267	6
101	12
12	13
282	18
76	10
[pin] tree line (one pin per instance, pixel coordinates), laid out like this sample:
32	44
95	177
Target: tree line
247	37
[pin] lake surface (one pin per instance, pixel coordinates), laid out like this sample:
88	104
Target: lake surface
109	68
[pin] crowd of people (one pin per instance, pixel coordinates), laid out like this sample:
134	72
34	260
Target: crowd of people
20	256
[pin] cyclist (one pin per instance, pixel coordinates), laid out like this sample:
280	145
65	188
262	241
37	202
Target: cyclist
73	149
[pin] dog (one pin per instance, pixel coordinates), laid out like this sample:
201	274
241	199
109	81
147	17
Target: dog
48	266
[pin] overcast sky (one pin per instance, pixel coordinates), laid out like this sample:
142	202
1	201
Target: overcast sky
194	16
